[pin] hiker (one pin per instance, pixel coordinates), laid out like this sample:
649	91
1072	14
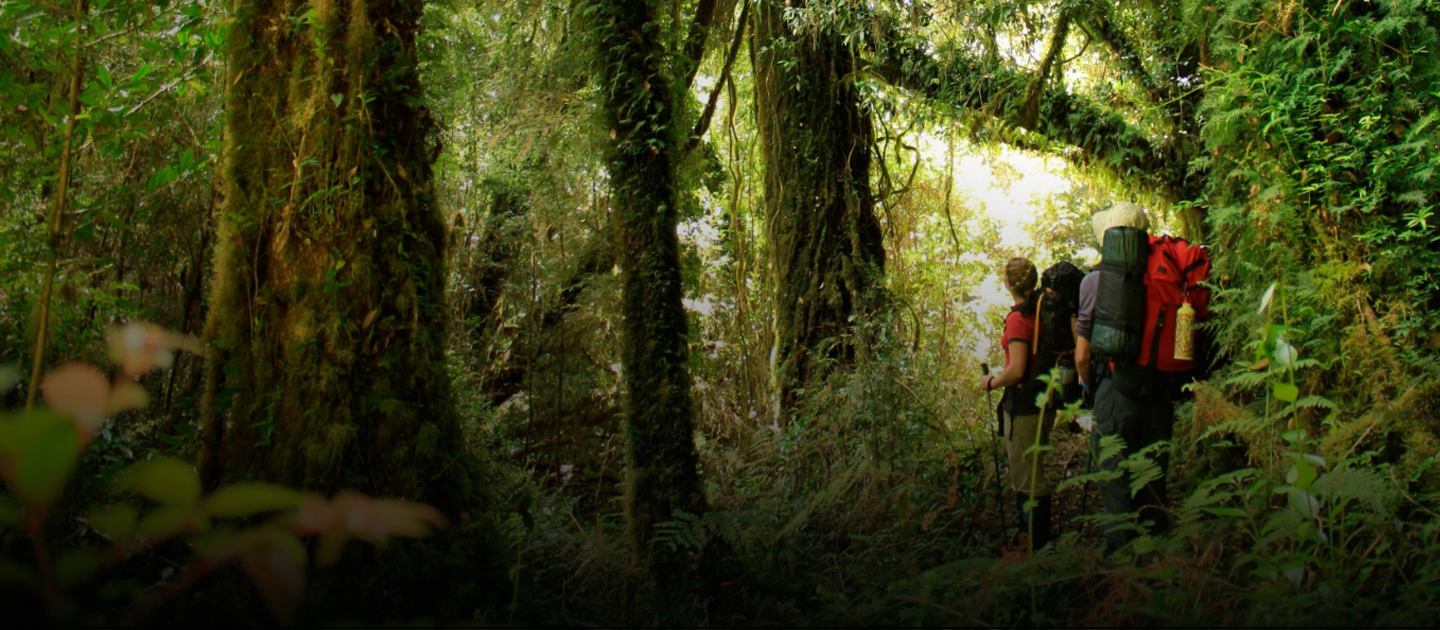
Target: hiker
1135	368
1023	424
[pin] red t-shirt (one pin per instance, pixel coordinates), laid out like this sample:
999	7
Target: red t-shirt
1018	328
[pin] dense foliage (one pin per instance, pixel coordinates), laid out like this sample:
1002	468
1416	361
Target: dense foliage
654	217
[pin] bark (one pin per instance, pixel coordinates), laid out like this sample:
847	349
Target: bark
663	468
827	252
327	306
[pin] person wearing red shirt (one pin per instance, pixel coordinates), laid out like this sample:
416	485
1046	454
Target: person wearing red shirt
1026	428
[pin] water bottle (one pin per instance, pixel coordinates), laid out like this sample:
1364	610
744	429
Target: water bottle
1184	333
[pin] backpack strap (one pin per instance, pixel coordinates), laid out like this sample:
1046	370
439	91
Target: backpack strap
1039	312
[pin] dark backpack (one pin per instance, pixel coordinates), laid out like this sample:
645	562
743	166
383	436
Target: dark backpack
1143	281
1120	294
1054	341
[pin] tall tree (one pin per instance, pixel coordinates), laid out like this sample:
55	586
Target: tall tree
828	256
327	309
639	108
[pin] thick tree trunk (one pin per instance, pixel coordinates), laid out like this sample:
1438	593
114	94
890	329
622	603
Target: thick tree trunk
827	253
663	468
327	309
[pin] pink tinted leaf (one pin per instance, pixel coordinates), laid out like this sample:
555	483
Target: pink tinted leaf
404	518
314	515
352	514
77	390
376	520
138	347
277	569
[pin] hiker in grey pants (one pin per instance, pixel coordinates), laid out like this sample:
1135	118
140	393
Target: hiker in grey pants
1134	402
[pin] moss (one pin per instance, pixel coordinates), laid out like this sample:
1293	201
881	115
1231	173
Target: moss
326	451
828	253
1402	432
427	440
310	184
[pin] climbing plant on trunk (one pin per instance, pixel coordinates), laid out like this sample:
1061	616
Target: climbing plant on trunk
327	309
826	248
664	481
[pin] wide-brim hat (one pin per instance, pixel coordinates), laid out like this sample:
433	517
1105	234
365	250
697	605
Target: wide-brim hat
1121	214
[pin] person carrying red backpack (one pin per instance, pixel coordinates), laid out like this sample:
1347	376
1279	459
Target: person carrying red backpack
1135	348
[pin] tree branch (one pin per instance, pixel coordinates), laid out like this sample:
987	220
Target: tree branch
1103	138
696	38
1098	23
703	123
1031	107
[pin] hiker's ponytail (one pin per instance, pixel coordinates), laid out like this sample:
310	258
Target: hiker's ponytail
1020	280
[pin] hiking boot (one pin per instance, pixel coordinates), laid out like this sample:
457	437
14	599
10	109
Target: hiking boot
1040	534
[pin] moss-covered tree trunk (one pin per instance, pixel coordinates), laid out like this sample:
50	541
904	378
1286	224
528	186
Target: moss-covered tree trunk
327	310
827	253
663	469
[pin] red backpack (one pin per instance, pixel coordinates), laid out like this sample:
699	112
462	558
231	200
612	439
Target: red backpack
1174	270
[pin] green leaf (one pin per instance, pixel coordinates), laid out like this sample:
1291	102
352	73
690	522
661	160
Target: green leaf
166	480
17	574
336	98
76	566
9	376
1225	511
116	522
10	513
164	523
1302	474
1287	392
246	498
42	446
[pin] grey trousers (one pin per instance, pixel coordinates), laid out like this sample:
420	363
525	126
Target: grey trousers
1137	404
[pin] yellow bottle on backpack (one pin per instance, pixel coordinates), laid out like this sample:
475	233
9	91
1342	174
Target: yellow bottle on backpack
1184	333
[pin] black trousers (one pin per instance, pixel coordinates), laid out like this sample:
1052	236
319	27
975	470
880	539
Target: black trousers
1137	404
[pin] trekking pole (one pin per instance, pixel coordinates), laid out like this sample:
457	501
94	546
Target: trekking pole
995	453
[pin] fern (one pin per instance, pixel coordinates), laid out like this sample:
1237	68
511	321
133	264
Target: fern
1365	487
